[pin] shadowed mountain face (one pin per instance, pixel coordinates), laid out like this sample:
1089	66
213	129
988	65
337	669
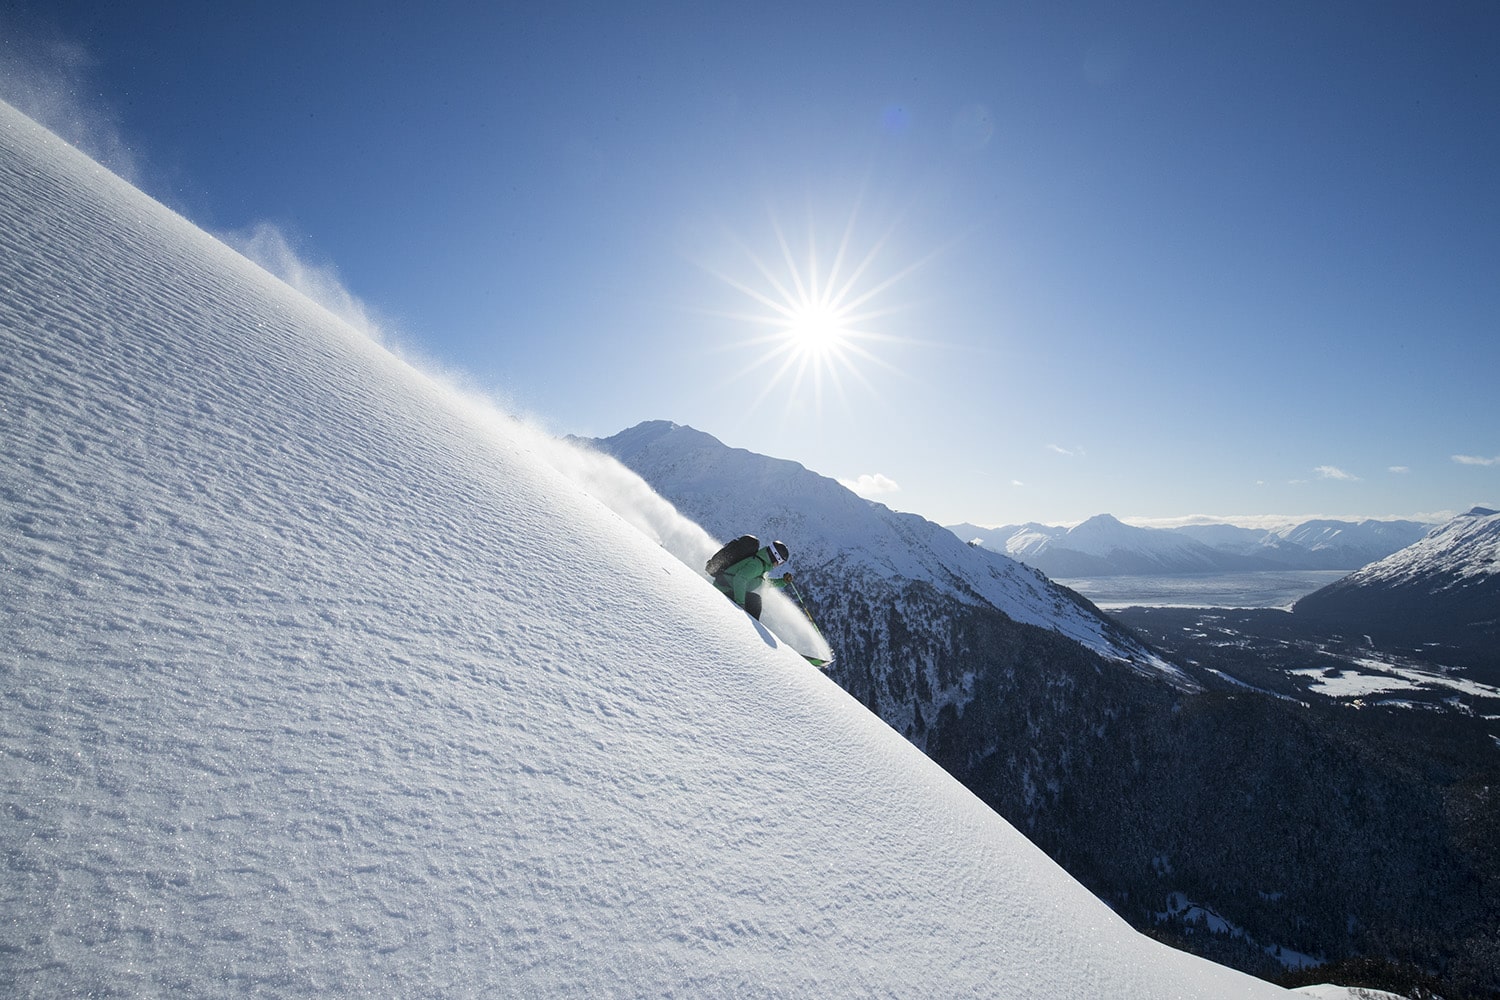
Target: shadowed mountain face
1441	594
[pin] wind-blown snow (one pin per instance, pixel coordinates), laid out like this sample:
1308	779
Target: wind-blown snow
628	495
830	527
315	685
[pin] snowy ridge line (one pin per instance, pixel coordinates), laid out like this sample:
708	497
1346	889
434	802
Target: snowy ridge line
1440	593
1463	550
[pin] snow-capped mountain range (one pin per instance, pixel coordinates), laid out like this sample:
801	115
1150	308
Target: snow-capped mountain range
320	679
1105	546
1443	590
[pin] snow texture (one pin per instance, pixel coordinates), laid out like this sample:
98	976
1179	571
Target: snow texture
317	682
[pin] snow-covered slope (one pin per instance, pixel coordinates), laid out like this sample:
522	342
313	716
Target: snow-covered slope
320	681
1465	550
1105	546
732	490
1443	591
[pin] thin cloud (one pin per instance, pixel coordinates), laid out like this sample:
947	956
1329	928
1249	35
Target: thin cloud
1400	470
1475	460
1334	472
1069	452
871	485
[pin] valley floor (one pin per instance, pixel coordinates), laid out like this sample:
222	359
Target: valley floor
1276	652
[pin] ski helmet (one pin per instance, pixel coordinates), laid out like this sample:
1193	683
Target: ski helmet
779	552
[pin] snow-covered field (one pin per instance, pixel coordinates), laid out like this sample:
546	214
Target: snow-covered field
318	682
1391	675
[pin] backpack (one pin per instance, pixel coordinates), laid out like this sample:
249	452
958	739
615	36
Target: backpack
742	547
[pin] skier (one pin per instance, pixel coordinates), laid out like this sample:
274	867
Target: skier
740	580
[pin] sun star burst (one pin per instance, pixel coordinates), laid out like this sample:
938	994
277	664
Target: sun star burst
816	312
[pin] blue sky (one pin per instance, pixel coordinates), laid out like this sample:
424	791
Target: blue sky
1019	261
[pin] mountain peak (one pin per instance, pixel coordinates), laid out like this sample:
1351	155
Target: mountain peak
648	431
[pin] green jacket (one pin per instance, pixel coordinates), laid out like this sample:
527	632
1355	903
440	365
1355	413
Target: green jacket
747	575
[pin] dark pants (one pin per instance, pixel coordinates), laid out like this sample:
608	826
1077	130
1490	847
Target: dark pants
752	599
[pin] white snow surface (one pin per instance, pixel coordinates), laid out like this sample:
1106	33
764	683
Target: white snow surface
318	682
1327	992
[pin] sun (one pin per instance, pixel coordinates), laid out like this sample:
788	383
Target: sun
818	313
817	333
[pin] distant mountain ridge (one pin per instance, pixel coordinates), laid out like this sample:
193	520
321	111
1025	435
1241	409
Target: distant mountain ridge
1105	546
1441	590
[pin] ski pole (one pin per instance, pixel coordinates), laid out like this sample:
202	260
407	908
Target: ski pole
815	661
803	605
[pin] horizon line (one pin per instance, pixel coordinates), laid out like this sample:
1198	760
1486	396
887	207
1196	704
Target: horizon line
1252	521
